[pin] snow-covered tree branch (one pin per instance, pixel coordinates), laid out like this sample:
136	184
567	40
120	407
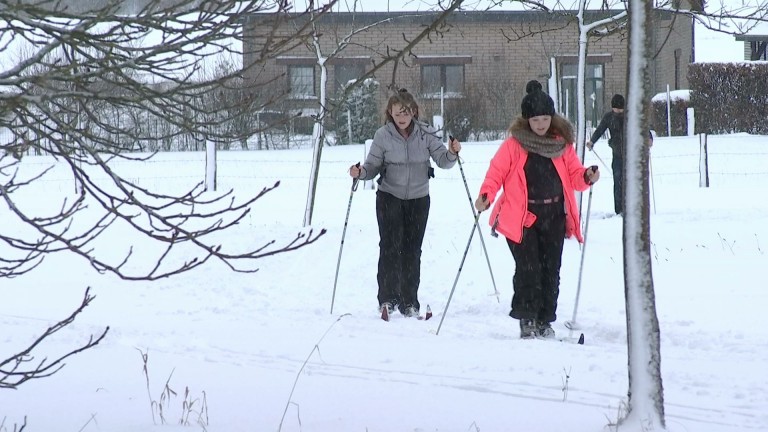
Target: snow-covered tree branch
385	56
90	85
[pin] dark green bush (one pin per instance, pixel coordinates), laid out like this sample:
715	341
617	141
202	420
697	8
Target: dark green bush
729	97
678	113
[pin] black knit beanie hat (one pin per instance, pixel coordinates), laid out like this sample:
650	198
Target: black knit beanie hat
617	101
536	102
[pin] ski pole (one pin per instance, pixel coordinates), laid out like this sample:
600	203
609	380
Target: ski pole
461	265
479	231
572	325
600	159
343	233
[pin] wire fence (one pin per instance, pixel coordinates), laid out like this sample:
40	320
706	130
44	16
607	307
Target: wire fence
674	161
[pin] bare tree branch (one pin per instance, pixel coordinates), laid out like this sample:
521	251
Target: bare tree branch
94	85
22	366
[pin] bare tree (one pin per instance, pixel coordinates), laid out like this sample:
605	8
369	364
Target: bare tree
733	18
387	55
80	68
585	30
92	78
646	394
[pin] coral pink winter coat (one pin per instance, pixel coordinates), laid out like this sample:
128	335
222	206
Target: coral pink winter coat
510	213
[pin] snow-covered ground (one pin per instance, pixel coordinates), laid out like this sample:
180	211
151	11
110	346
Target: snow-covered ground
239	342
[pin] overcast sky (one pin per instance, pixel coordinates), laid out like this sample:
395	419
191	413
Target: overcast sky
712	46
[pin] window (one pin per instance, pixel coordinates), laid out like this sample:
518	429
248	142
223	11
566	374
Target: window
594	89
301	81
448	77
758	50
444	72
344	73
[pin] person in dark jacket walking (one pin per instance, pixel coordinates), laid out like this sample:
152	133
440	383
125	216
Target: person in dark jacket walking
537	171
400	153
613	121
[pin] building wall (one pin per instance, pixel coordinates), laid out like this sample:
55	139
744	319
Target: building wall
501	52
673	48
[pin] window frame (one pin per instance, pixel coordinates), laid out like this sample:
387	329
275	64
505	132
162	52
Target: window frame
312	88
595	83
443	63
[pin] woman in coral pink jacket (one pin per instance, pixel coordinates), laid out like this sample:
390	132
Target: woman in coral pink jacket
537	171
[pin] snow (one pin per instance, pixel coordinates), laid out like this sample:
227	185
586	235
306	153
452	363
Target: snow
243	341
675	95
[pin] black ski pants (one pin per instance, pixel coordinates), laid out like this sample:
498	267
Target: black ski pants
402	224
617	166
537	264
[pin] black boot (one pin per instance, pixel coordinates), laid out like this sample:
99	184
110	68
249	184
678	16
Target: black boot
545	330
528	329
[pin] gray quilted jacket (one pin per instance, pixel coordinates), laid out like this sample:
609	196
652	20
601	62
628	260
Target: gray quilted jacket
404	163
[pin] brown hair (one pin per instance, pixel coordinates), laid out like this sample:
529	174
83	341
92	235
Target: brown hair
560	127
405	99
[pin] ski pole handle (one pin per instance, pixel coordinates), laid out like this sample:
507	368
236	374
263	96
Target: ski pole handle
355	180
450	140
484	200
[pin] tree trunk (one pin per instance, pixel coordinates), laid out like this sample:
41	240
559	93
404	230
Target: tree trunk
318	132
646	395
318	136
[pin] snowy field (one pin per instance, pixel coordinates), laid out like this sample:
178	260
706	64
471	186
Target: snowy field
239	342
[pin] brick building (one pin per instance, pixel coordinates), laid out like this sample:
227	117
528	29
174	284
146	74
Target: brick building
480	60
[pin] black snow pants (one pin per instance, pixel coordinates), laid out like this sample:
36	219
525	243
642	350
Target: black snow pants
402	224
537	264
617	166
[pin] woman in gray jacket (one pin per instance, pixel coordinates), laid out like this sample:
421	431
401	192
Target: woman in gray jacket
400	153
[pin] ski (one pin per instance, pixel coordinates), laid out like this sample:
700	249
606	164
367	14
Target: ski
579	340
564	339
428	315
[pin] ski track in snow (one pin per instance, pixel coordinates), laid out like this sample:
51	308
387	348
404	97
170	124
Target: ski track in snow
244	337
